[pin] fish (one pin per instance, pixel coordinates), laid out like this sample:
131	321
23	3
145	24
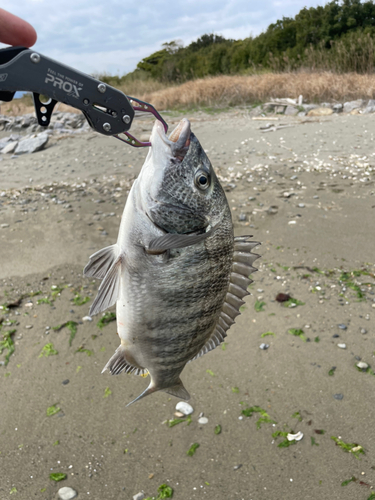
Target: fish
177	274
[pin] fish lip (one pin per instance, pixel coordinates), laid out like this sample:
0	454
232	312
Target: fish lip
184	134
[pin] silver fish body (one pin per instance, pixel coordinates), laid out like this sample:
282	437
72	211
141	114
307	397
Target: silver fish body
176	273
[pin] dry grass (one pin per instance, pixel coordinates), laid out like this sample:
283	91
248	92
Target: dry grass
223	91
244	90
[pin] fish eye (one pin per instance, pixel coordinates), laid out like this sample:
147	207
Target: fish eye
202	180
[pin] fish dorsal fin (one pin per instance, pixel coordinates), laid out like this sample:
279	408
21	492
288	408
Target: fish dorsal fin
100	262
109	288
118	364
242	267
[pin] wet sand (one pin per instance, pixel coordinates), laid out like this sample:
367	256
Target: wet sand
305	192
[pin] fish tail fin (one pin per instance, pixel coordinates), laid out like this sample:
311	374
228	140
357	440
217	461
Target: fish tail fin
178	390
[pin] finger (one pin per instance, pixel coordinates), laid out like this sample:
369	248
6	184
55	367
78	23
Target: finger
16	31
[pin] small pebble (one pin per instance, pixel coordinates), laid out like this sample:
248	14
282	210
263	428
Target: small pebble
264	346
342	346
28	326
87	318
242	217
139	496
362	365
363	330
66	493
292	222
71	311
203	420
336	335
201	414
301	205
338	396
236	467
4	225
178	414
184	408
342	326
65	382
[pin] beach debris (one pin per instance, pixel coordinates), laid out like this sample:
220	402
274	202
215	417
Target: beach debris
86	318
338	396
184	408
140	495
362	365
294	437
342	326
203	420
192	449
264	346
263	419
353	448
57	476
236	467
320	112
341	346
66	493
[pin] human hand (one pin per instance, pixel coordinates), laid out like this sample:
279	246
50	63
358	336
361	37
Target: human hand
16	31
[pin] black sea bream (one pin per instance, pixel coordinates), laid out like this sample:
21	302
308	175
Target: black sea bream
176	274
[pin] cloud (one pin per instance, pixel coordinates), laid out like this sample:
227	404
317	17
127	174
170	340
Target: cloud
114	35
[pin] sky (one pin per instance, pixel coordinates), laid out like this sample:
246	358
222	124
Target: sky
112	36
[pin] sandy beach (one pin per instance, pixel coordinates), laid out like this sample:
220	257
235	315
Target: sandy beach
306	193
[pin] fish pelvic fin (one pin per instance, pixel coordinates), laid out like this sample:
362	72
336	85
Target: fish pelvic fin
178	390
109	288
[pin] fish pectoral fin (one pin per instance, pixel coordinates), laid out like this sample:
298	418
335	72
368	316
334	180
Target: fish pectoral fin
170	241
118	364
242	266
100	262
178	390
109	289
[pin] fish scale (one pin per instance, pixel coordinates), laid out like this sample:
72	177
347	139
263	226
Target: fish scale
176	273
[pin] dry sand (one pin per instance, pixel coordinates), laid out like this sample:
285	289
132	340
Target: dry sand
325	228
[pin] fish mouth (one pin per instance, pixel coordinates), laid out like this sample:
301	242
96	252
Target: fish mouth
178	140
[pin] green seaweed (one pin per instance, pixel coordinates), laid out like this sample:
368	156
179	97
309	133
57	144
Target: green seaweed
105	319
79	301
45	300
56	290
52	410
164	491
235	390
313	442
259	306
13	490
71	326
210	372
297	332
317	339
265	334
48	350
56	443
264	419
345	483
7	343
332	371
372	496
292	303
175	421
217	429
285	443
297	415
87	351
192	449
57	476
353	448
107	392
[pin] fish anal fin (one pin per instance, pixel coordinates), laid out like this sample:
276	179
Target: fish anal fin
100	262
118	364
109	289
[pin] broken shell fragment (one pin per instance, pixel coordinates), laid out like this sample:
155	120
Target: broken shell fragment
295	437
